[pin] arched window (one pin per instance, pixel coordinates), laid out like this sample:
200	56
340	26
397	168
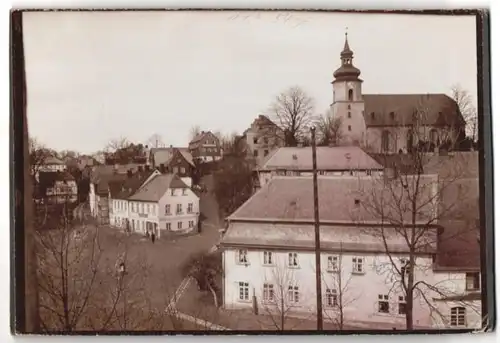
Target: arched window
350	94
385	141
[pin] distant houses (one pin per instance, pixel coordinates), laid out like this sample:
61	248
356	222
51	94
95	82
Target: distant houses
205	147
174	160
56	187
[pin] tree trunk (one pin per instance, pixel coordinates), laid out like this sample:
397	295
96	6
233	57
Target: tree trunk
214	294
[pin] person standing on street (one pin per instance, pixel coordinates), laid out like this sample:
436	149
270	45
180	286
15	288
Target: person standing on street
153	236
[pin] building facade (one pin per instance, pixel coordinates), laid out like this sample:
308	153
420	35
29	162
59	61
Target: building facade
392	123
205	147
331	161
268	253
262	138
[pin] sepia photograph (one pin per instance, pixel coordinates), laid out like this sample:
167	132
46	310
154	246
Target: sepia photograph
260	172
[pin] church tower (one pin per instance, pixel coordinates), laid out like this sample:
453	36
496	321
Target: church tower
348	102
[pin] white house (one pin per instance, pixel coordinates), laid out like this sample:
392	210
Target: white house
57	187
330	161
164	204
268	250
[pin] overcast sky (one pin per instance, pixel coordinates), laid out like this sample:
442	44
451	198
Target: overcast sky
93	77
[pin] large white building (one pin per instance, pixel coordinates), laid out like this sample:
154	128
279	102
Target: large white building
157	203
268	252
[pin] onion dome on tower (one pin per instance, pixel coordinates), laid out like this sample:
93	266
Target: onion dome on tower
347	71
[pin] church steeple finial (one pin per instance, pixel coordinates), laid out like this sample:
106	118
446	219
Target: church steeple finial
347	50
347	70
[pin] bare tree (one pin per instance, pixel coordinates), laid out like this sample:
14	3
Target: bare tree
293	112
155	141
117	144
195	131
465	103
411	208
329	129
38	154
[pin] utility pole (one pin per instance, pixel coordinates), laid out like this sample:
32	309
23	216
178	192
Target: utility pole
319	303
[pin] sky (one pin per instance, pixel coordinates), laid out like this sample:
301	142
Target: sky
96	76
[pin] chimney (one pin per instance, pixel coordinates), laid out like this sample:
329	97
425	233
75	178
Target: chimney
139	169
129	173
162	168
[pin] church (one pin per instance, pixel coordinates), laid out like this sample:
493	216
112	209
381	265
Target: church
391	123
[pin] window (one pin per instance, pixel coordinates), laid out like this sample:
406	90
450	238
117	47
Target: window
172	192
133	225
383	303
191	223
149	208
392	115
184	191
242	256
372	115
142	208
350	94
401	305
357	265
167	209
348	127
331	298
266	152
368	172
268	293
349	107
293	260
168	226
472	281
179	225
405	267
179	209
183	170
349	114
255	140
293	294
332	263
154	209
268	258
356	201
457	317
176	170
255	153
190	207
243	291
385	141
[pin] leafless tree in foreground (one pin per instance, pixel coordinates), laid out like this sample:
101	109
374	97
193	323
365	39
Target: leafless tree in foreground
38	155
412	208
467	108
293	112
329	129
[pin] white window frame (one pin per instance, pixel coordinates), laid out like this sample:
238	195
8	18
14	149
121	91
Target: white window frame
293	294
470	278
401	300
242	256
172	192
179	225
332	263
293	260
268	258
243	291
456	314
268	293
178	209
184	191
190	208
167	209
383	299
331	298
168	226
191	223
356	262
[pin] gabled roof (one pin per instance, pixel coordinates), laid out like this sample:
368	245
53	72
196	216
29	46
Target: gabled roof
122	189
341	200
164	155
157	187
201	136
327	158
437	109
101	183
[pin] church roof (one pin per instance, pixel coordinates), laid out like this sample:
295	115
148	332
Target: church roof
402	109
